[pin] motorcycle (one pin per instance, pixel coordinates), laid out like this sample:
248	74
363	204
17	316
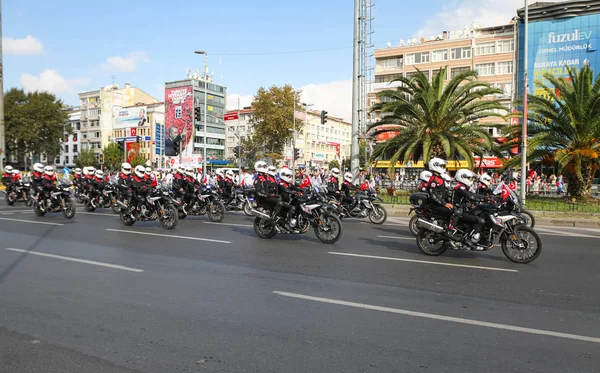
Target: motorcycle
309	213
241	202
205	202
158	205
59	201
513	204
105	199
520	243
364	205
418	203
20	192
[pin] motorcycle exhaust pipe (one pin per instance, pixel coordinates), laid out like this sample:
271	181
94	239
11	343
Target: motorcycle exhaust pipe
429	226
260	214
121	204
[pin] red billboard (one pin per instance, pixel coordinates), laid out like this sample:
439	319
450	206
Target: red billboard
179	119
230	116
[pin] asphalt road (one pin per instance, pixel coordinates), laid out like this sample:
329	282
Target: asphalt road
91	295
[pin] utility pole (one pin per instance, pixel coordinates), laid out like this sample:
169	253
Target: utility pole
239	142
2	138
294	142
525	111
354	145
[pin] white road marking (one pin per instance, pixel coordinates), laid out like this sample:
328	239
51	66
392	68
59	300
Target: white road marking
30	221
70	259
442	317
231	224
7	213
423	261
397	237
97	213
12	211
553	232
168	235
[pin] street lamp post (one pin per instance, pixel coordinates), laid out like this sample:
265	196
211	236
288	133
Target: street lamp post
205	107
525	110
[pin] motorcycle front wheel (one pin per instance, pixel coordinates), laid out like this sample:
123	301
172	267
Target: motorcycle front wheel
115	208
412	225
37	210
378	215
126	217
264	228
425	242
68	208
169	217
247	208
524	247
330	229
29	200
216	211
88	207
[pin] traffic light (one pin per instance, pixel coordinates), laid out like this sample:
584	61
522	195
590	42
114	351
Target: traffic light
101	158
137	139
121	145
296	153
323	116
197	114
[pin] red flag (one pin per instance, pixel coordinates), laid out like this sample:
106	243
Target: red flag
505	192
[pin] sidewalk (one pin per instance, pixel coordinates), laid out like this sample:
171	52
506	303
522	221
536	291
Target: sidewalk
541	217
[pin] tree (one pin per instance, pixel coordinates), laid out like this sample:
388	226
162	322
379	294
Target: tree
333	164
137	160
113	156
35	123
87	158
435	120
564	124
251	151
274	117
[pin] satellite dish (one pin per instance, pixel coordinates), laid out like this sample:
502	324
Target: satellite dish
389	44
414	40
440	36
401	41
422	39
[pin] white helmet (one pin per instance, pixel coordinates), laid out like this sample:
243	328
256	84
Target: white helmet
15	171
38	167
260	166
220	172
348	177
140	170
335	172
437	165
189	171
99	173
180	170
447	179
126	168
272	170
49	170
9	169
148	171
425	175
91	171
465	177
229	174
485	179
286	175
78	170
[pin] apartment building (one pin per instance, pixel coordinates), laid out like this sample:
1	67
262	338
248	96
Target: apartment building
488	50
238	129
71	142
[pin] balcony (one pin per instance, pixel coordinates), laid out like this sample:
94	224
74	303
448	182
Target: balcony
386	85
390	69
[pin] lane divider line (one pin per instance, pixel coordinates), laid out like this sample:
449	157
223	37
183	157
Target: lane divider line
30	221
397	237
433	316
168	236
423	262
230	224
71	259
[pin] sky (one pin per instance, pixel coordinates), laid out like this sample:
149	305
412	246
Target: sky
67	47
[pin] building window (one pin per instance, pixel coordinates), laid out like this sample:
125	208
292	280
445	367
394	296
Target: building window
507	45
66	159
386	78
96	134
505	67
441	55
74	148
485	69
437	71
415	58
457	70
460	53
389	62
178	112
485	48
506	88
66	148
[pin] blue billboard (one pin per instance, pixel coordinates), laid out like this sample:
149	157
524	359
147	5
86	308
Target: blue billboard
555	45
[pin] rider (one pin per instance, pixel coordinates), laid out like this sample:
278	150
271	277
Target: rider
485	183
7	178
266	187
139	185
272	170
220	175
178	183
48	183
333	185
97	183
36	179
348	187
190	184
424	176
228	186
77	176
461	198
287	190
151	177
437	190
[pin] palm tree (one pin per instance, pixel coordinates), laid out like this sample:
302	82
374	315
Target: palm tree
564	124
436	119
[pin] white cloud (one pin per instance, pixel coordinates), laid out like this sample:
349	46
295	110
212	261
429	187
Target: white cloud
457	14
335	97
28	46
128	63
51	81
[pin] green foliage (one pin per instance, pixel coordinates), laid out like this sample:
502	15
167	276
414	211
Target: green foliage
87	158
333	164
113	157
564	125
274	117
437	119
251	151
35	123
137	160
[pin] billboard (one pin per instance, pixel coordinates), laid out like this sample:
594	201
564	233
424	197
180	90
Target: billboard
130	117
557	44
179	119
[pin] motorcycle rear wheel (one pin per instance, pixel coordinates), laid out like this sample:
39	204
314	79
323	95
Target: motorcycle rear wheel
526	236
126	218
428	248
216	212
378	215
334	229
88	207
529	218
37	210
412	225
264	228
169	217
9	201
69	208
28	201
